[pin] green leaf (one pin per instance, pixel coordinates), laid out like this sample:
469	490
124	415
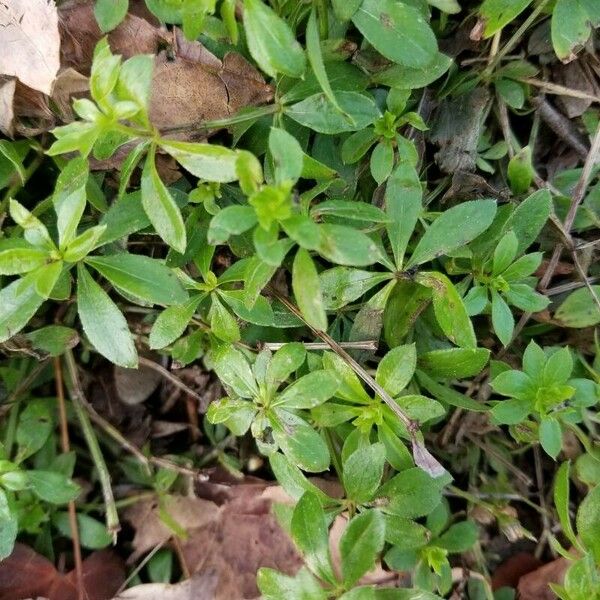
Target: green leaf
520	171
307	290
363	471
92	534
411	493
52	487
360	545
140	276
172	323
291	478
342	285
396	30
206	161
349	387
222	323
347	246
404	533
588	522
231	220
505	253
382	161
271	42
235	414
526	298
160	207
561	501
410	78
315	58
514	383
345	9
454	363
109	13
310	533
572	22
529	217
83	244
287	155
233	370
21	258
558	368
317	112
449	309
10	153
511	412
454	228
18	303
460	537
274	585
53	339
396	453
299	441
69	198
356	211
397	368
35	231
498	13
309	391
502	318
36	423
403	206
447	395
135	85
579	309
9	527
96	311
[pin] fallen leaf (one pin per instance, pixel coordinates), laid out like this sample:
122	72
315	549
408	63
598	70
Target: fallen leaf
198	587
30	29
512	569
68	85
534	585
229	537
7	113
134	386
27	574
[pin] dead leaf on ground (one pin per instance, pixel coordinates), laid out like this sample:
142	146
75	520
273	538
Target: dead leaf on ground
198	587
30	41
230	540
134	386
534	585
457	129
27	574
512	569
7	114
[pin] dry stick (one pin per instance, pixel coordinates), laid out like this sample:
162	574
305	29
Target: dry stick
576	200
78	398
168	375
364	345
421	455
558	90
66	447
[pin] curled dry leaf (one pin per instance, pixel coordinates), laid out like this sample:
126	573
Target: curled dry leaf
134	386
30	41
27	574
198	587
7	113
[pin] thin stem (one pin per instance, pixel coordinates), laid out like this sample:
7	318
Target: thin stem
66	447
78	400
146	362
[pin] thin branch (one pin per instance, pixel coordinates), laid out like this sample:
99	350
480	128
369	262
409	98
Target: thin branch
365	345
66	447
146	362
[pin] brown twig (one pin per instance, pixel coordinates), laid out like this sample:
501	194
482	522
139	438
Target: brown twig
66	447
146	362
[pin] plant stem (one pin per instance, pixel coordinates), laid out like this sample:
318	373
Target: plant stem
78	400
66	447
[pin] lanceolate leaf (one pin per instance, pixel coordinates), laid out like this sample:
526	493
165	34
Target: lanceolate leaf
103	323
18	303
397	30
307	290
160	207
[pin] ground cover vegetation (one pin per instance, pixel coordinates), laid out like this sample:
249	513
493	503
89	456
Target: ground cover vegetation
298	299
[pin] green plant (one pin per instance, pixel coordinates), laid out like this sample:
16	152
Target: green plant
361	309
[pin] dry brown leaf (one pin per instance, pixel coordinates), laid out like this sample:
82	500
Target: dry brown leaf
30	42
198	587
229	538
27	574
68	85
7	113
134	386
512	569
534	585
